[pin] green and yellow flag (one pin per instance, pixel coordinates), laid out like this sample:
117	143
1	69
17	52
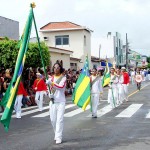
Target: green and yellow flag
106	77
10	95
81	95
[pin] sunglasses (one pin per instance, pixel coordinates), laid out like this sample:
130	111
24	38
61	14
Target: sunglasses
56	67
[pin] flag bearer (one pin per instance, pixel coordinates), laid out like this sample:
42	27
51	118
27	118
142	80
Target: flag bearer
120	87
96	89
57	106
112	92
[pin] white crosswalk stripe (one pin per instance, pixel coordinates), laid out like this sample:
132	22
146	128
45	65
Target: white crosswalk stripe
148	115
128	112
103	111
34	112
47	113
75	112
26	108
31	111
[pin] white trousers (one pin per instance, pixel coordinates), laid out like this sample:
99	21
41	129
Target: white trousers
57	118
125	87
120	90
95	102
148	76
132	80
39	99
18	104
112	97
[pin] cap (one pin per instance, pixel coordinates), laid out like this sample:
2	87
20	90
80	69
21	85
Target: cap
123	68
38	74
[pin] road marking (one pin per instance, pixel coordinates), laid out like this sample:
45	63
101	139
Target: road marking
129	111
75	112
138	90
31	111
26	108
103	111
47	113
148	115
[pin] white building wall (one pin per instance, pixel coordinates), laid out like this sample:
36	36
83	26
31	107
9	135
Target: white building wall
76	43
107	47
56	56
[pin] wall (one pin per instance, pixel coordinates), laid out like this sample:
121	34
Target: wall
9	28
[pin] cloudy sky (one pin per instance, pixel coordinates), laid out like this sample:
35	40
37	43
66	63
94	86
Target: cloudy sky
101	16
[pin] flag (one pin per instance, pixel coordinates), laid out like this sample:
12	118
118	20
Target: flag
81	95
106	77
9	98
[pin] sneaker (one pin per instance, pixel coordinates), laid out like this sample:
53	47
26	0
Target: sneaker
18	116
58	141
94	116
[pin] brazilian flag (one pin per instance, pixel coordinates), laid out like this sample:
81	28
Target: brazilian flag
9	99
81	95
106	77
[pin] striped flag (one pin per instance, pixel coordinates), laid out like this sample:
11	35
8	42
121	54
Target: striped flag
10	95
106	77
81	95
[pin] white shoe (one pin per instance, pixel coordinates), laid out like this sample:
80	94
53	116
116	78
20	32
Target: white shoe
18	116
58	141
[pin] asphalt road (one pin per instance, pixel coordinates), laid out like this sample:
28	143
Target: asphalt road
125	127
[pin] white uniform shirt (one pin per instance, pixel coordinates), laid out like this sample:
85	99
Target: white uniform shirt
97	86
59	95
114	80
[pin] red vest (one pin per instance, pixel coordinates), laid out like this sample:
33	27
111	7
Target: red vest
21	90
126	78
40	85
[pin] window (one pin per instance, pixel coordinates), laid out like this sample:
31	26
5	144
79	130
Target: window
84	40
46	38
62	40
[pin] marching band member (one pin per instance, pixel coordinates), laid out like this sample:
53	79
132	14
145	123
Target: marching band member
96	89
18	102
57	107
112	92
138	79
40	87
125	82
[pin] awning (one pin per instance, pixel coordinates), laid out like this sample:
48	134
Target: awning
104	64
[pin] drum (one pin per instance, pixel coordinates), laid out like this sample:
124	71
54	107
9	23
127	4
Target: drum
138	78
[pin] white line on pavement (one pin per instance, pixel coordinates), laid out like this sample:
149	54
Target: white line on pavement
47	113
129	111
31	111
103	111
75	112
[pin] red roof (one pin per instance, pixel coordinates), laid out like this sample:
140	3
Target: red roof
61	25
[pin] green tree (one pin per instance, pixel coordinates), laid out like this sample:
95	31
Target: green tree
148	59
148	66
9	51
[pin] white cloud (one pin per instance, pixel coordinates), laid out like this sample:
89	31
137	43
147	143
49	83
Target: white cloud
102	16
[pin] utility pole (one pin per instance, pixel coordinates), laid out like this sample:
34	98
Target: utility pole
99	54
127	49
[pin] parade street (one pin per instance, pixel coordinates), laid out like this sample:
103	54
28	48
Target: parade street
126	127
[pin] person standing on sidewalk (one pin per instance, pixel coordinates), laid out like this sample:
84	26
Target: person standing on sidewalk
125	82
40	87
57	104
96	90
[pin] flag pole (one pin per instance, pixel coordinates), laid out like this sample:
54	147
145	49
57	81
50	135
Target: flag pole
41	54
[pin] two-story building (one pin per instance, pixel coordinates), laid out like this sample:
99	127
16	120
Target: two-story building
67	38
